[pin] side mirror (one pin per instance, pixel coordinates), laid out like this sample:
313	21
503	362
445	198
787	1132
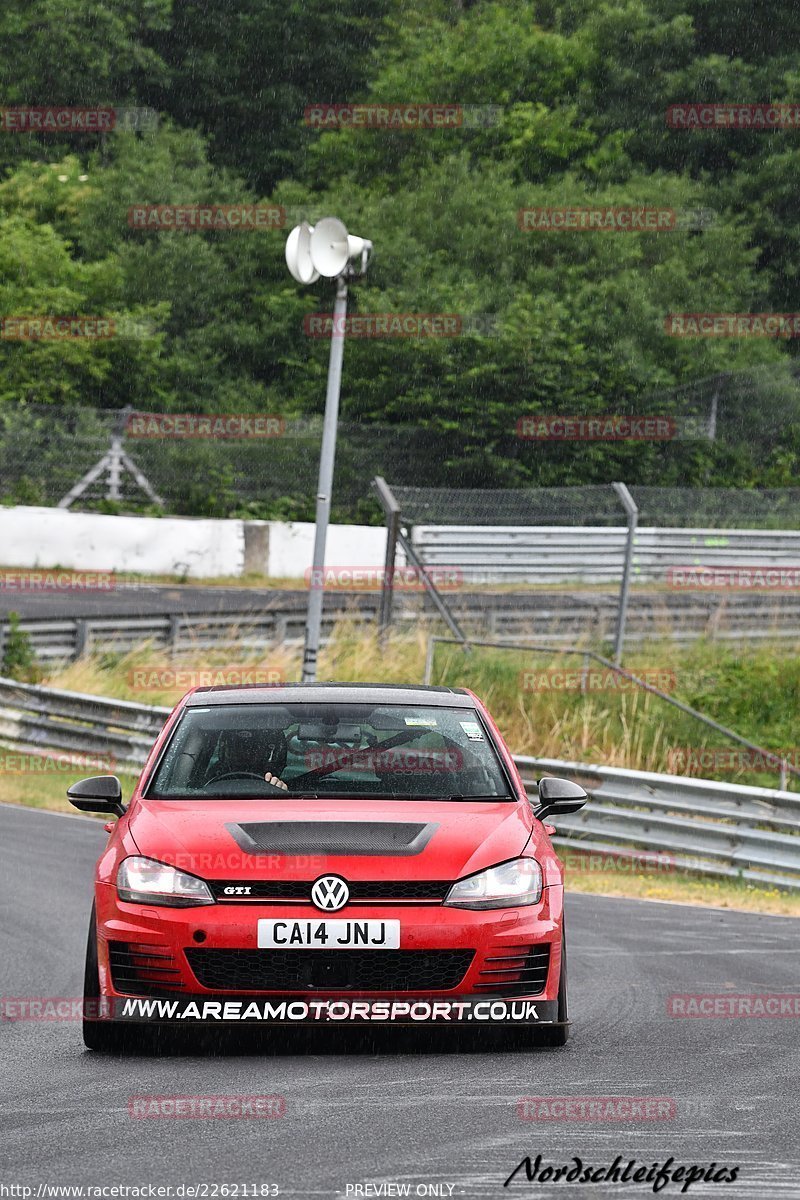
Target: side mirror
101	794
557	797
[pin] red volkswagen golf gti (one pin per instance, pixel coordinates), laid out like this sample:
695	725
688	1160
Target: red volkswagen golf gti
327	854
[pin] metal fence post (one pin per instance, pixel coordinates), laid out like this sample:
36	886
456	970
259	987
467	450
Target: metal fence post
429	653
81	637
392	510
174	634
632	511
442	609
585	672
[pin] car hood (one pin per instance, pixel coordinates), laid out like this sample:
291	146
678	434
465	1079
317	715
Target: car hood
301	839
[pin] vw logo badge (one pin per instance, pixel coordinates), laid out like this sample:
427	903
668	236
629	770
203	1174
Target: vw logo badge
330	893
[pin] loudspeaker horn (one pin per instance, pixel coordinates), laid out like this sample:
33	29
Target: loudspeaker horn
298	254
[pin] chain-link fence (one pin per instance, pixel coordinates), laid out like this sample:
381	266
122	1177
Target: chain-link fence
678	439
732	543
599	505
44	453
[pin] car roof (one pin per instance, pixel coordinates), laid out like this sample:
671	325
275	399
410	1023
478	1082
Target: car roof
332	693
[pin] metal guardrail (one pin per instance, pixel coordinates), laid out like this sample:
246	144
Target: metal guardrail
695	825
67	639
36	719
550	617
595	554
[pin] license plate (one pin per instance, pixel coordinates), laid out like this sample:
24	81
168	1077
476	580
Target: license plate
329	935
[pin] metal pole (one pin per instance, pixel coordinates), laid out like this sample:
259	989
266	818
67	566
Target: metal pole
392	512
114	469
712	416
444	612
326	460
429	653
622	613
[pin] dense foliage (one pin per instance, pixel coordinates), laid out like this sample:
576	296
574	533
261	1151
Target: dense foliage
214	322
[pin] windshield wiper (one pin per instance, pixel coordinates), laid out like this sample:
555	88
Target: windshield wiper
455	796
461	796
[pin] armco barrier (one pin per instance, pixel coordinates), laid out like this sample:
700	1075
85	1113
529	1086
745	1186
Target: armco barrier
557	617
36	719
594	554
706	827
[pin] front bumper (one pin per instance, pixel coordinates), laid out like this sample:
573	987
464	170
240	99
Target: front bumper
501	965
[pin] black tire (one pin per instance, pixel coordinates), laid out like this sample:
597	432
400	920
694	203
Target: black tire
97	1034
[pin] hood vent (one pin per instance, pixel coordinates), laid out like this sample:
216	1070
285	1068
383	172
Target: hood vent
393	838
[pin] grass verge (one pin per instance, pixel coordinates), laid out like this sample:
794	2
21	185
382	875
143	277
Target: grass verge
49	790
585	876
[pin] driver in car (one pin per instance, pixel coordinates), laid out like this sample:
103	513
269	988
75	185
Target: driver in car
247	752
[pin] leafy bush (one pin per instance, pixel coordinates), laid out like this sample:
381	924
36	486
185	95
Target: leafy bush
19	659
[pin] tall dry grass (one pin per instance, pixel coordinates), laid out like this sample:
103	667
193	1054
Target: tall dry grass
756	694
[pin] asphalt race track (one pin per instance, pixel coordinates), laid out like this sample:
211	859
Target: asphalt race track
395	1111
142	600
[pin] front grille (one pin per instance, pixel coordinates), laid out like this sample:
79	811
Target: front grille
141	970
329	970
378	891
516	971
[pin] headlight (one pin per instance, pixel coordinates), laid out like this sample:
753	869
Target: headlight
145	881
506	886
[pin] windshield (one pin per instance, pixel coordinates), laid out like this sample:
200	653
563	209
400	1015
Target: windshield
390	751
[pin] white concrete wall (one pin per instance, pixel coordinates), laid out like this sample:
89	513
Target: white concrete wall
198	548
50	537
291	547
